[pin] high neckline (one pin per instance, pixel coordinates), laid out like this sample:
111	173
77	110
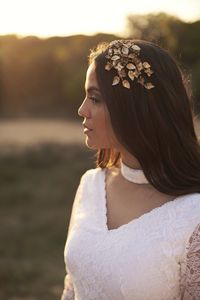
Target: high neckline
133	175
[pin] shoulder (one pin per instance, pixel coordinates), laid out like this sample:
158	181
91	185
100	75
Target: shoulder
90	180
187	217
92	175
192	201
192	196
189	200
188	207
100	175
93	172
182	215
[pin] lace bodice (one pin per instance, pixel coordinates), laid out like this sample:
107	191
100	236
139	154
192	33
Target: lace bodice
190	279
154	257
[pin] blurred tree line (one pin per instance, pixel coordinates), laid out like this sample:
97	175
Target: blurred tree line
180	38
45	77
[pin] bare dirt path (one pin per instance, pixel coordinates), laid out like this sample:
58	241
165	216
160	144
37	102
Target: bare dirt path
29	132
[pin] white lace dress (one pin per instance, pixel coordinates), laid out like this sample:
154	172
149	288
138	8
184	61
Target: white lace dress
153	257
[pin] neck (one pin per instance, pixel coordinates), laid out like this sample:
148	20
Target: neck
130	161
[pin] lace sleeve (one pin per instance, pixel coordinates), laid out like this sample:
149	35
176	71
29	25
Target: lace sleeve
68	292
191	275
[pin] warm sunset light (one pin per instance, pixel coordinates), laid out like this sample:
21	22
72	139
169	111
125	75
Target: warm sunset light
62	17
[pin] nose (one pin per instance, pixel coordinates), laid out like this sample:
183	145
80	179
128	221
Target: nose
83	110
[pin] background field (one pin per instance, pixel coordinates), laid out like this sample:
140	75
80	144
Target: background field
36	192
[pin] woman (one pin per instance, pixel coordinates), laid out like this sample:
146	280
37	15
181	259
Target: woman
135	226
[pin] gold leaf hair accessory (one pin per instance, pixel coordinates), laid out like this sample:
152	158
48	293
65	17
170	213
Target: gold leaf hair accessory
123	56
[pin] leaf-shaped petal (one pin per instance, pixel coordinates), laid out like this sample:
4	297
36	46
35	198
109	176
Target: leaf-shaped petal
149	85
116	51
125	50
108	66
148	72
110	51
115	57
116	80
131	66
126	84
146	65
119	66
115	63
139	66
128	44
132	55
136	47
131	75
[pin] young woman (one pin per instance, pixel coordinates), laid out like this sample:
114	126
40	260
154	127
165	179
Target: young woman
134	231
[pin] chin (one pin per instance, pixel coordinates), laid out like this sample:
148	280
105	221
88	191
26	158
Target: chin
90	145
96	146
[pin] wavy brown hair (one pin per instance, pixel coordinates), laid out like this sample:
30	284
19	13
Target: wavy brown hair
156	125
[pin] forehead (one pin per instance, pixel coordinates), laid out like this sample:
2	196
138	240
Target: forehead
91	80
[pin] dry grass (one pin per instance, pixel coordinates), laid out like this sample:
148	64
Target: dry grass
37	190
29	132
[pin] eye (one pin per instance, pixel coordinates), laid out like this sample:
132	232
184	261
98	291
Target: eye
94	99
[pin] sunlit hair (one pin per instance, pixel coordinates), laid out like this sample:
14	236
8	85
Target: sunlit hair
155	126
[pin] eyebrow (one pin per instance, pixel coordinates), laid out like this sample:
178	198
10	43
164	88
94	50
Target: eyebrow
93	88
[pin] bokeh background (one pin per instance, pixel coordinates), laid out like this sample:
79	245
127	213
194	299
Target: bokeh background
44	47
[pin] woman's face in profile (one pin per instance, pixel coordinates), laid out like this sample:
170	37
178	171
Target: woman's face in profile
97	126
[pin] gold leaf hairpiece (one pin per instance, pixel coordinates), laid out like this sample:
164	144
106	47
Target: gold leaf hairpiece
123	56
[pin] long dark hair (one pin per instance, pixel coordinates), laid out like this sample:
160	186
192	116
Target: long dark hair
156	125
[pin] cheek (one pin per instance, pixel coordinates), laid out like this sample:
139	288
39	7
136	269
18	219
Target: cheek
103	136
109	136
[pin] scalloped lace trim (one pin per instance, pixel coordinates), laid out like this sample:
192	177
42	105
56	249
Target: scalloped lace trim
190	279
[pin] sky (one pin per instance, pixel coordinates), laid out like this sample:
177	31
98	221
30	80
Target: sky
45	18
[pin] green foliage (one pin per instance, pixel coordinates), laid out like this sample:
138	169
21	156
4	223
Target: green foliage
180	38
37	191
161	28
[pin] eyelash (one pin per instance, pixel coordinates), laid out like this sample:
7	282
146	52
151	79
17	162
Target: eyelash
95	100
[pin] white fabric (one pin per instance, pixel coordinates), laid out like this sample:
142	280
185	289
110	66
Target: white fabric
139	260
190	268
133	175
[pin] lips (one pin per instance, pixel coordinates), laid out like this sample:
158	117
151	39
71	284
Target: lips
86	128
